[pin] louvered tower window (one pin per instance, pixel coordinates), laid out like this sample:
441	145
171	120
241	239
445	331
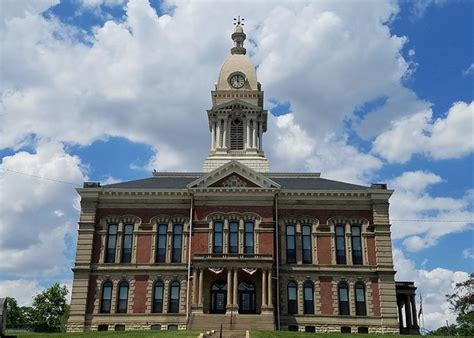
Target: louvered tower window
237	134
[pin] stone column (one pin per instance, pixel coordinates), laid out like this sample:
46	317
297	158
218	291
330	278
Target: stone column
269	283
260	134
413	310
218	138
229	288
409	322
247	138
400	314
195	287
201	278
264	291
224	135
235	286
254	135
213	136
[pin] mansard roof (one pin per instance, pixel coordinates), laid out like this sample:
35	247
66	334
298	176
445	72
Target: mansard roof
287	181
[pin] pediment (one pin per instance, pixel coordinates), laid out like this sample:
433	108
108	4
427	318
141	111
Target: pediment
234	175
236	103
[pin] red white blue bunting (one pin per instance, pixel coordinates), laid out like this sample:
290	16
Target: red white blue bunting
250	271
216	270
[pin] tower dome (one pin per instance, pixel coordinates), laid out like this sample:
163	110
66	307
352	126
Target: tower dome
238	63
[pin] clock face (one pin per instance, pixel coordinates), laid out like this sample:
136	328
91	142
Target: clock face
237	81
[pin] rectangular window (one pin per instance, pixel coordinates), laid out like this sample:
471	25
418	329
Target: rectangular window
233	237
177	243
356	245
217	237
306	244
290	244
127	243
161	243
248	240
340	245
111	243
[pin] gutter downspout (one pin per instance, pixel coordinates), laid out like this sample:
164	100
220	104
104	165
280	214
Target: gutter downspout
189	256
277	227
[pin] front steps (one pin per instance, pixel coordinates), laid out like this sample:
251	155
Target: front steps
242	323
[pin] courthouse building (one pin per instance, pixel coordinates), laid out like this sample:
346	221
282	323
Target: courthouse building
235	244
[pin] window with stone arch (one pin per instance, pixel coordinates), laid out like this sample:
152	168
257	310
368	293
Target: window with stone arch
361	308
292	298
158	290
237	134
122	302
106	299
308	294
173	306
356	242
343	298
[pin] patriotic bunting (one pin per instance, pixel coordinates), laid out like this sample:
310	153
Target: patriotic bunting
216	270
250	271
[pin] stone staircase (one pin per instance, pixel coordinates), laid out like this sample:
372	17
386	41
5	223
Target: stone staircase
240	323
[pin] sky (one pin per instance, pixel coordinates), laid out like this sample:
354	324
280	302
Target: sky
360	91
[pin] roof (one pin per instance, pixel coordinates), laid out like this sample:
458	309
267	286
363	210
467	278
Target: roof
288	181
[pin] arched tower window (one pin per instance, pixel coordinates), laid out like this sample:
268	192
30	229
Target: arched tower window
237	134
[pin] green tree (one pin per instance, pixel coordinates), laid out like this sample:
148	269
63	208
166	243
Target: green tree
17	316
49	307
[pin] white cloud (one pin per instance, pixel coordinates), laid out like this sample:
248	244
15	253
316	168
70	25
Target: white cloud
469	70
443	138
433	285
38	217
23	290
468	253
440	216
419	7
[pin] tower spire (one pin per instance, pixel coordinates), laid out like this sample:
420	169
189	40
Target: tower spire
238	37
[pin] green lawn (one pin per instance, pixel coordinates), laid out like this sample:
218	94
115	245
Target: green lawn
126	334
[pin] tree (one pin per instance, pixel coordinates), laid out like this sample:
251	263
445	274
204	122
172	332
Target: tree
17	316
49	307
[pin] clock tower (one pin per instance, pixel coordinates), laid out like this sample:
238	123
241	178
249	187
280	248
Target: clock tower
237	120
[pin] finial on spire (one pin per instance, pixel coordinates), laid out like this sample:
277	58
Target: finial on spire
238	36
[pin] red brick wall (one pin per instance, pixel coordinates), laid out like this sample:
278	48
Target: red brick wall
96	248
91	294
324	250
143	248
200	243
266	243
375	296
371	251
139	299
325	285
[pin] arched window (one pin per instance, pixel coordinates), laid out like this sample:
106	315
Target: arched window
127	243
306	243
106	297
356	245
217	237
161	243
290	244
177	243
248	238
233	237
292	298
122	297
308	298
343	295
340	244
158	297
360	299
111	243
174	298
236	134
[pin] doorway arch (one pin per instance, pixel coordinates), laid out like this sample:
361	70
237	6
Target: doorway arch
218	296
247	297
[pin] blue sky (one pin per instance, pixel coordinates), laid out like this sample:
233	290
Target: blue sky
108	90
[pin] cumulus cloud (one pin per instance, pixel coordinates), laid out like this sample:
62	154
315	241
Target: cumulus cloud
439	216
433	285
469	70
23	290
442	138
38	217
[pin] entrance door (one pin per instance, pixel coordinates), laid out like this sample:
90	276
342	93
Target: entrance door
247	297
218	297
